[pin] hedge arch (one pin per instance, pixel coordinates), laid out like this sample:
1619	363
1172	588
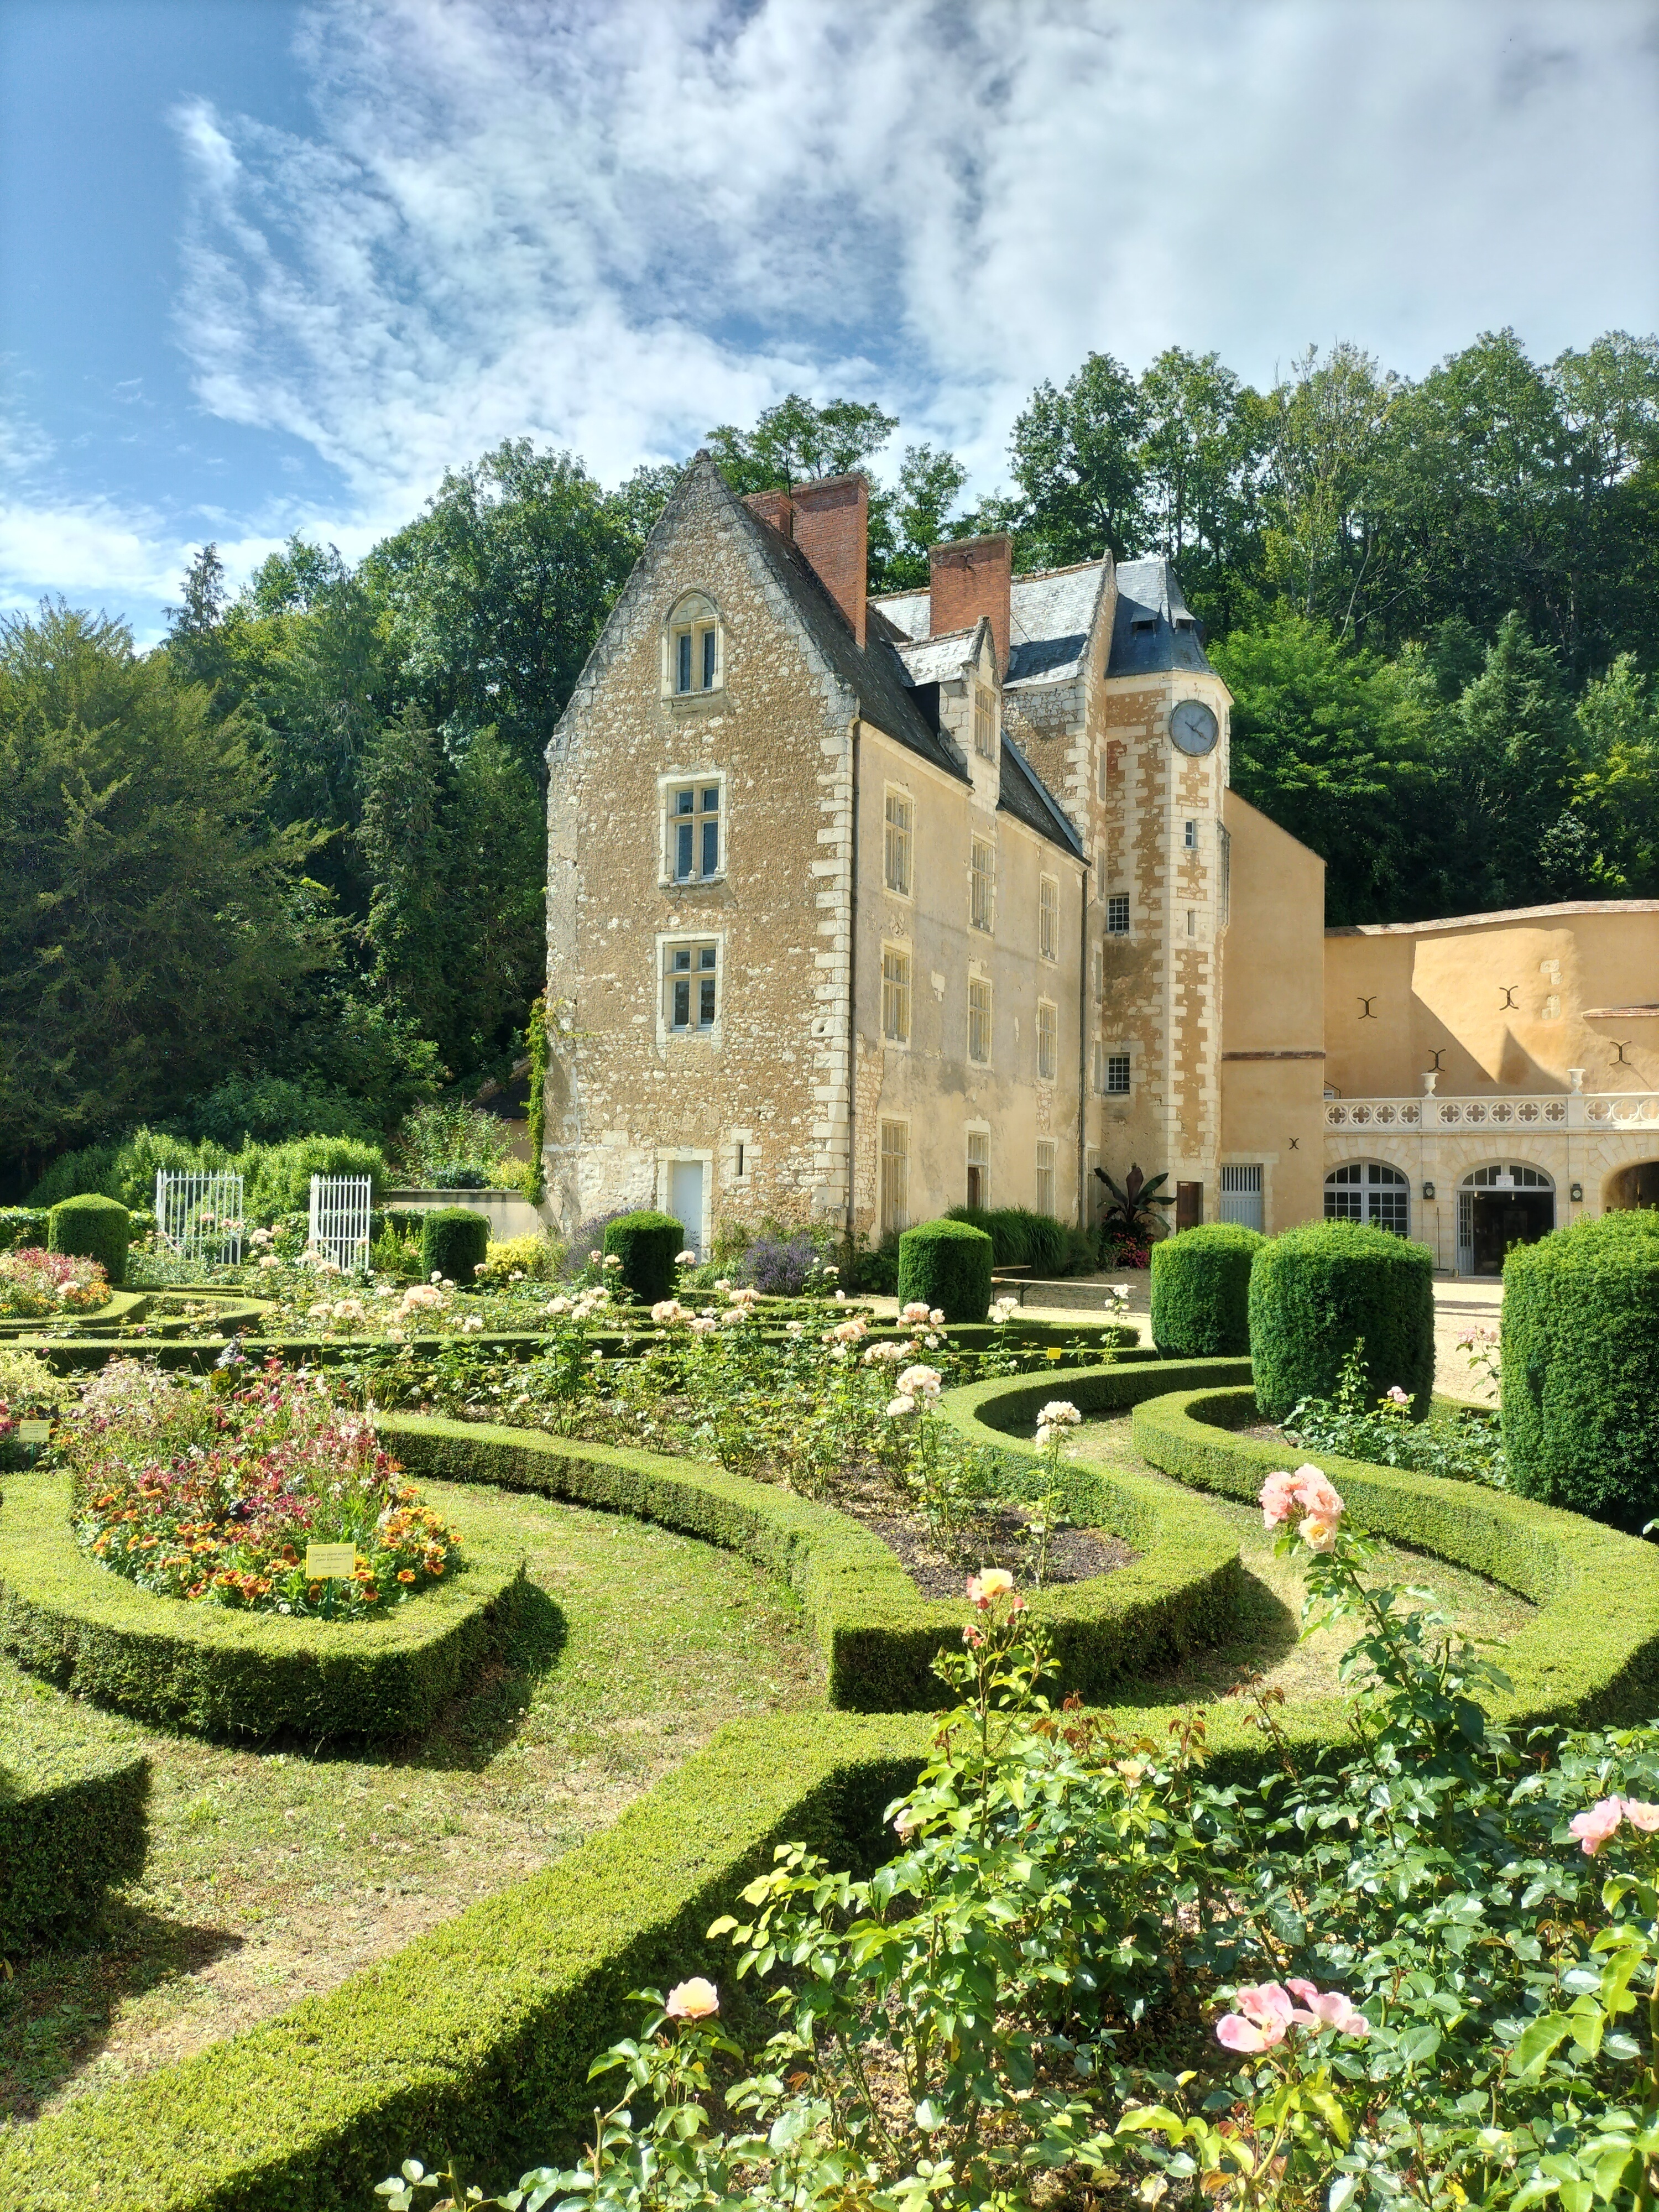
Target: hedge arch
1591	1656
878	1634
218	1672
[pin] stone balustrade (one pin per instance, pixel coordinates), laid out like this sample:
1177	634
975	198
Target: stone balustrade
1557	1109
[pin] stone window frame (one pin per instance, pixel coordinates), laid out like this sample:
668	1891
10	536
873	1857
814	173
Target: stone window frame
907	832
1048	1034
695	614
1119	902
987	1013
1105	1055
664	941
689	778
1050	1167
976	1132
985	876
898	1124
742	1152
1049	919
905	986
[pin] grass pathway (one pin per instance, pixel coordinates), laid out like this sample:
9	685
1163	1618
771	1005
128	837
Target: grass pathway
1267	1636
274	1874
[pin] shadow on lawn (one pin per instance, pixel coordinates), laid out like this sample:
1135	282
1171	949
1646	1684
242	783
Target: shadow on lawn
60	2003
483	1720
1264	1632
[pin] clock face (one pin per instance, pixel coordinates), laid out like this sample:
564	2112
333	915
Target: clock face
1193	727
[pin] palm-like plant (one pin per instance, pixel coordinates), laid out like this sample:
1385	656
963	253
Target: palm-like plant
1130	1215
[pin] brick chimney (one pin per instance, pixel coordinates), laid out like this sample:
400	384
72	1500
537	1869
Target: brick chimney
832	529
968	578
774	506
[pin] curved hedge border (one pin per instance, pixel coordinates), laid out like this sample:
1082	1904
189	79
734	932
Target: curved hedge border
1590	1658
221	1673
879	1634
73	1797
119	1308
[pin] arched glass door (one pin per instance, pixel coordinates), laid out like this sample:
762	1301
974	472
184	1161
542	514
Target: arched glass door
1499	1205
1368	1190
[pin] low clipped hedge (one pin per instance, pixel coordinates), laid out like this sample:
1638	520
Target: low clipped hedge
454	1240
878	1635
220	1672
947	1264
73	1799
647	1243
1317	1290
93	1228
1589	1657
1581	1368
1201	1291
478	2037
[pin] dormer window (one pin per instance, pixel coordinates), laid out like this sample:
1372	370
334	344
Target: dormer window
985	733
695	656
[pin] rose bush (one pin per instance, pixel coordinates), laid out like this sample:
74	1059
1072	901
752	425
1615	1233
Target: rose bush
37	1285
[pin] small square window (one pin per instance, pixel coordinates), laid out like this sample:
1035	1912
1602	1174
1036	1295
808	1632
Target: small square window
690	987
1117	1075
1117	915
694	832
1049	919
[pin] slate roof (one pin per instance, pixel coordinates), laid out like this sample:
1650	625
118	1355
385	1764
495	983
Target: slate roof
938	659
1154	629
1050	615
1029	800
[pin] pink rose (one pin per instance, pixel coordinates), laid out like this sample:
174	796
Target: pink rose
1319	1536
693	2000
1278	1498
1317	1494
1261	2020
1330	2009
1644	1817
1593	1828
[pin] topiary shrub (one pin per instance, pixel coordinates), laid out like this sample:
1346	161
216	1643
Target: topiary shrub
1201	1293
1316	1290
93	1229
947	1264
646	1244
454	1243
1581	1368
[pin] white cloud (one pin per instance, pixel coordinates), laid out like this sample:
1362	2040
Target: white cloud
611	224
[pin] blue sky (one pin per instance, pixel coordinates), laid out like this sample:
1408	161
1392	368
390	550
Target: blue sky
267	266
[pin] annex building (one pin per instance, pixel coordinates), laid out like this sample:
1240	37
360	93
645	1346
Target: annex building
860	908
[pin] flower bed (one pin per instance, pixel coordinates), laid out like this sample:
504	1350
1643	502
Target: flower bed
211	1496
41	1285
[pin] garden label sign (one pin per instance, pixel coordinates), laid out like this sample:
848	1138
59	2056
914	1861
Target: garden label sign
330	1562
34	1432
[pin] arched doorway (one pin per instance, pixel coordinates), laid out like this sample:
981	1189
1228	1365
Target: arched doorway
1369	1190
1499	1205
1636	1185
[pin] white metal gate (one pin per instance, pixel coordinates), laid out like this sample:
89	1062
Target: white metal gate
198	1214
339	1220
1241	1195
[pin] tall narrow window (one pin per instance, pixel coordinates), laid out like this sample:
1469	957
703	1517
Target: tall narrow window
1192	921
1117	915
894	1177
694	832
1048	1033
981	885
1049	919
985	743
695	653
690	987
979	1021
707	640
978	1169
683	670
897	849
1045	1175
1190	835
894	994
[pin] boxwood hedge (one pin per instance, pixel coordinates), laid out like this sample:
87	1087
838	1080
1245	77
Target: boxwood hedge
93	1228
73	1794
1591	1654
216	1672
947	1264
878	1635
1201	1291
1317	1291
1581	1368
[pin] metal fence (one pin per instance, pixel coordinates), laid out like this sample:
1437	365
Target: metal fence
198	1214
339	1220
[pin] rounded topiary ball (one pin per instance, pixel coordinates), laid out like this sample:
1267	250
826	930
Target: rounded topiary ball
1581	1368
1201	1291
93	1228
1316	1290
647	1243
454	1240
947	1264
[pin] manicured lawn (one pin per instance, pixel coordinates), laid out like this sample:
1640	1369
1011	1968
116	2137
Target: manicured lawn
1267	1642
273	1873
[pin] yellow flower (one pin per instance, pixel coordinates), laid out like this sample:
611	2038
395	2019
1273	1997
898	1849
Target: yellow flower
693	2000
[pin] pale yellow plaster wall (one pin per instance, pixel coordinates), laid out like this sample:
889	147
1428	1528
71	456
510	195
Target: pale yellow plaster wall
1272	1000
